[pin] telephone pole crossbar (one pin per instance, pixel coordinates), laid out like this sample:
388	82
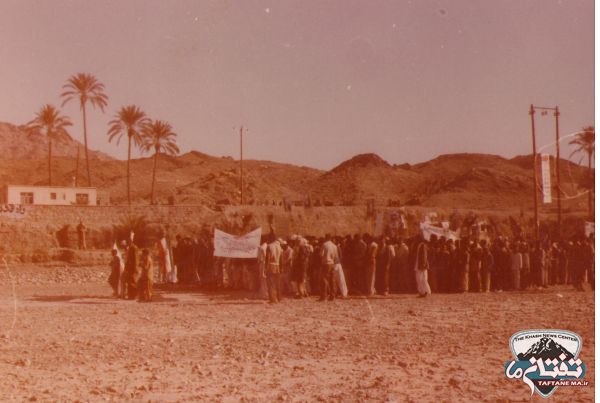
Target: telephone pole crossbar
532	110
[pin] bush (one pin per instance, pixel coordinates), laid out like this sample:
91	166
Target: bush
40	256
62	236
145	235
67	255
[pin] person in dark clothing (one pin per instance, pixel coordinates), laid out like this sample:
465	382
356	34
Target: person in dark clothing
487	267
132	272
357	263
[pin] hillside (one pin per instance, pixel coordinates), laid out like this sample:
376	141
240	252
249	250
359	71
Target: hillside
479	181
18	143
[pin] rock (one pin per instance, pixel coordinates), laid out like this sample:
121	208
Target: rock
454	382
23	362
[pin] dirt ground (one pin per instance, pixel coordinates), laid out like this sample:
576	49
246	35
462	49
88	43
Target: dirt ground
64	338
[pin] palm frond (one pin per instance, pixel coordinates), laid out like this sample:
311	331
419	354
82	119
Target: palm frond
87	88
584	142
158	135
128	121
48	119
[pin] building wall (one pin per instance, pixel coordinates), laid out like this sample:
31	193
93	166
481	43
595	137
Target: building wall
65	196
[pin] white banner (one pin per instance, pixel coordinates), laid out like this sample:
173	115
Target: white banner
244	246
428	229
546	181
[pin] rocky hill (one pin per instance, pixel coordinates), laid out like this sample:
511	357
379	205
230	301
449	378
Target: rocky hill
18	143
472	181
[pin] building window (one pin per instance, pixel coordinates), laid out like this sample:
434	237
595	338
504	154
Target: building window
52	196
26	198
82	198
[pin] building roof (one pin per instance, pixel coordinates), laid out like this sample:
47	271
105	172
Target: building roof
52	187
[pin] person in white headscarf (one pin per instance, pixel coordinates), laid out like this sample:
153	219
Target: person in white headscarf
421	265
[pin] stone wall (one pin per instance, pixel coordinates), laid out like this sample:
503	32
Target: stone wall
52	229
47	227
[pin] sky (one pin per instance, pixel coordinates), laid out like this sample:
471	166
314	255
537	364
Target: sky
314	82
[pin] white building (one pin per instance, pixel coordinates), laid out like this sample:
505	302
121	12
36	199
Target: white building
48	195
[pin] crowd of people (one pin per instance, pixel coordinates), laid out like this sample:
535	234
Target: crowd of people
132	275
331	267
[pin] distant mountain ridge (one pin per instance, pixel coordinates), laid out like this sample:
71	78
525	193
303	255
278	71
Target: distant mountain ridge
18	143
472	181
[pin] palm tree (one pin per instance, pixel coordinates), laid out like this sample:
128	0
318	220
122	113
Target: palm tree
129	121
585	142
49	120
158	136
88	89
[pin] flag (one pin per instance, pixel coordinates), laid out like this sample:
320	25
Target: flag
546	182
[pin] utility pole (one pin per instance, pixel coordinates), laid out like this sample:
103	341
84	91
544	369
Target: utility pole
241	166
556	115
534	158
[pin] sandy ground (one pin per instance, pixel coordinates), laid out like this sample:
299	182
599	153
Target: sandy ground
68	340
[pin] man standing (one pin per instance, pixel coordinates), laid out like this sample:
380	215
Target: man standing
516	266
404	275
81	230
538	270
286	268
146	277
463	262
131	271
487	267
475	267
371	262
421	265
388	256
261	284
300	262
273	269
115	271
329	256
357	264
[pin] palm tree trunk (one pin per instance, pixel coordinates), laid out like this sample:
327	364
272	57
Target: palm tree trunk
49	160
153	177
87	160
590	184
77	168
128	159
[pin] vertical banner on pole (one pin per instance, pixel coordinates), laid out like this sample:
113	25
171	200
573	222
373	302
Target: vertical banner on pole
546	181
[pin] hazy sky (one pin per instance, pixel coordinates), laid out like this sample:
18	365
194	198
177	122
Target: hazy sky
316	82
